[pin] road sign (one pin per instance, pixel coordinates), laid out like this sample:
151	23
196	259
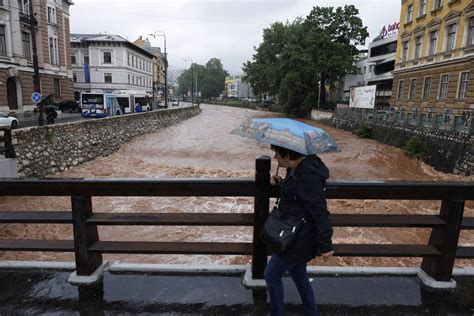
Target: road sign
36	97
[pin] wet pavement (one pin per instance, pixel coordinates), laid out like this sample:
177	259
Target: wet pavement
36	291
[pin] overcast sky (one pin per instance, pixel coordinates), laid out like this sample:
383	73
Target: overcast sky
200	29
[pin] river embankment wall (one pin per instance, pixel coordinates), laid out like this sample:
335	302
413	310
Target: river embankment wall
46	150
447	151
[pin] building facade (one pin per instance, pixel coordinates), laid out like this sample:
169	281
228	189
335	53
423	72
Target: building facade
107	63
236	88
158	63
375	67
16	53
435	57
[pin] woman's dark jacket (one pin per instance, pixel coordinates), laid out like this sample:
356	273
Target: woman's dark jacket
302	195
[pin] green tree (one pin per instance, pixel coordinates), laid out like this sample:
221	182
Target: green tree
208	79
213	83
296	60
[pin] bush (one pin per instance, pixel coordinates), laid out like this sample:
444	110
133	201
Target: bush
416	147
365	131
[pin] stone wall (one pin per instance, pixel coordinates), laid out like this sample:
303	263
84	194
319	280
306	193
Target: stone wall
49	149
447	151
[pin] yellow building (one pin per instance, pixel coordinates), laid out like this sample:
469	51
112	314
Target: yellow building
158	63
432	82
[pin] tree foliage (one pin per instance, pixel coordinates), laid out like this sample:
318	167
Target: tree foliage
208	79
296	60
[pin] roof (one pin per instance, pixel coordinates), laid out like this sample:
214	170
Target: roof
88	38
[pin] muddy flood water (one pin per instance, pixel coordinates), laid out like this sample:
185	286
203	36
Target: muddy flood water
202	147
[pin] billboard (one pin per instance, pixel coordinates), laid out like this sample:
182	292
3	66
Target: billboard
362	97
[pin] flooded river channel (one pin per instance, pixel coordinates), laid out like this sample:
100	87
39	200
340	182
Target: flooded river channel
202	147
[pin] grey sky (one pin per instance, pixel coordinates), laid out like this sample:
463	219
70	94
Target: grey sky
205	29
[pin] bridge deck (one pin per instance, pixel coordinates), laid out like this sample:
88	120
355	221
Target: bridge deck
30	291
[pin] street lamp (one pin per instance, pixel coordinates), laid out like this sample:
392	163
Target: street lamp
162	33
192	78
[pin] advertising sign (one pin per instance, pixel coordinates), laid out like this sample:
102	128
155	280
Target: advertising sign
362	97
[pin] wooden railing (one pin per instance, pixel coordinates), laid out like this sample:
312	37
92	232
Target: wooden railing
438	254
7	148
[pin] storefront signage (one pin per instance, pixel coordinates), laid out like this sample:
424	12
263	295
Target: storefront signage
390	30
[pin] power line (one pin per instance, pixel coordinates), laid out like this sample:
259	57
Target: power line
174	17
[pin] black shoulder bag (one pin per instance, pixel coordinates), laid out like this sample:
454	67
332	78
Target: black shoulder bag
280	234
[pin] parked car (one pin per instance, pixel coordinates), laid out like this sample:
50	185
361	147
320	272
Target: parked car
159	105
175	102
8	121
69	105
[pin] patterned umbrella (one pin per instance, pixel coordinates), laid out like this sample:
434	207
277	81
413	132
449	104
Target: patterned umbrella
290	134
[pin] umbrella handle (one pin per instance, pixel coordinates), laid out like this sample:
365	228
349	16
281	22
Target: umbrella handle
278	168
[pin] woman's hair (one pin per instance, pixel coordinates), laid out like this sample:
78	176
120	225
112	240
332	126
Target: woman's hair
284	152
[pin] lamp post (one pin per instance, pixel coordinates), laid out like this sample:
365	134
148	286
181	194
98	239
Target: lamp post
192	78
162	33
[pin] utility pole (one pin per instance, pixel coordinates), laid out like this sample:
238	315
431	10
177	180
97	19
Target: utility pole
192	83
36	77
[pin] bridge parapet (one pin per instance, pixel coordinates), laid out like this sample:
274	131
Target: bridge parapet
438	254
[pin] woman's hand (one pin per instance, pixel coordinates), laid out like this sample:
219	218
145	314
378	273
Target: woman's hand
275	179
327	255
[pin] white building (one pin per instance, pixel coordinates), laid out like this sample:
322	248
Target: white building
236	88
108	63
376	67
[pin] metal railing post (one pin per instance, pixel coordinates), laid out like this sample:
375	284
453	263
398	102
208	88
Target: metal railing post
261	205
445	239
84	235
10	150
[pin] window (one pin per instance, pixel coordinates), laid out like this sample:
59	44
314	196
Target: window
463	85
451	37
418	43
3	41
86	58
409	13
25	42
53	51
426	88
133	61
422	8
107	57
371	68
400	89
73	59
51	15
108	78
405	51
57	87
470	32
133	80
24	7
436	4
443	87
74	77
128	60
412	89
433	42
1	3
365	69
129	78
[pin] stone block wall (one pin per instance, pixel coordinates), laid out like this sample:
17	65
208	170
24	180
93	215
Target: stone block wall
447	151
49	149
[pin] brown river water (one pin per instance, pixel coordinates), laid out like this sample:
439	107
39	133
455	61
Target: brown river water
202	147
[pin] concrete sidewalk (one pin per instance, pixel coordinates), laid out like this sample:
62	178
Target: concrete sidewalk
46	291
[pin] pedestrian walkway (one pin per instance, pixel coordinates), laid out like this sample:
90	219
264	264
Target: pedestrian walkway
46	291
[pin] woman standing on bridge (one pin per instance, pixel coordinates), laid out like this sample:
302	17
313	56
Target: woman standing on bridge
302	195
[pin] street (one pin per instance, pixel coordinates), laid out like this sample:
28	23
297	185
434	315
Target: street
65	117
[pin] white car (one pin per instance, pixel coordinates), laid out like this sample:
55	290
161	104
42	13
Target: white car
8	121
174	102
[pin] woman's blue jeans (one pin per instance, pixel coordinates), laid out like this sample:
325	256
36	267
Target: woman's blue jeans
273	274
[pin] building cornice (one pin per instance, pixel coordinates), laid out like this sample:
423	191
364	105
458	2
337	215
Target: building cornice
434	65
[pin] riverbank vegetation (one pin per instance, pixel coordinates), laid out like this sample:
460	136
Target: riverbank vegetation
296	58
